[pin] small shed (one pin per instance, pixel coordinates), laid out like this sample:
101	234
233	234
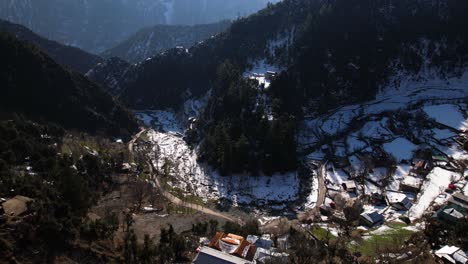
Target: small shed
16	206
349	186
371	219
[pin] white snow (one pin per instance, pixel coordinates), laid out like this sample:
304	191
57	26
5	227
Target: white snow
163	120
454	151
261	67
400	148
437	181
442	133
199	179
408	91
447	114
355	144
335	176
400	173
193	106
313	196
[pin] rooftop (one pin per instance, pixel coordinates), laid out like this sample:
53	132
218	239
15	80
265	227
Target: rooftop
233	244
212	256
372	217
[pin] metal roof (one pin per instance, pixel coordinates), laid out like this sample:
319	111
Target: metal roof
212	256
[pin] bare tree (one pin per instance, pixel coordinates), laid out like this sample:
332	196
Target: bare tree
139	192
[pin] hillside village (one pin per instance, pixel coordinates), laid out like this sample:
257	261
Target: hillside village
385	168
308	132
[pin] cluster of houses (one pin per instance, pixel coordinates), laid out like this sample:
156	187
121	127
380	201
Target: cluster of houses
399	199
233	249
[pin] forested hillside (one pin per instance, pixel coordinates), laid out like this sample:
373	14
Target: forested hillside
330	52
61	179
34	85
150	41
67	56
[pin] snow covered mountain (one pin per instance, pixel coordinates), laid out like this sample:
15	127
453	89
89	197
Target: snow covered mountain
98	25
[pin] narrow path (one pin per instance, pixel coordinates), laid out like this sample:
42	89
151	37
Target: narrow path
322	189
173	198
196	207
131	143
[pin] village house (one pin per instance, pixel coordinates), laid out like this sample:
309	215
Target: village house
226	248
371	219
270	256
452	254
261	242
452	213
349	186
411	184
459	199
265	252
439	160
399	201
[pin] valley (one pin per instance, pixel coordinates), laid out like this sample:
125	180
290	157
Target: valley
298	131
376	146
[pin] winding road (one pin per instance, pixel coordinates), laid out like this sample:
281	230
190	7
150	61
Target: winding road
173	199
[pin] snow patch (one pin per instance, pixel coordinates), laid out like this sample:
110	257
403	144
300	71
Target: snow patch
447	114
400	148
437	181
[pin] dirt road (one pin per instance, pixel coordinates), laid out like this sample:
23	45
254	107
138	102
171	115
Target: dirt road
196	207
322	191
173	198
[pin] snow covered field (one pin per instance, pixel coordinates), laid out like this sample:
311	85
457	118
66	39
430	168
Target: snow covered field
435	112
199	179
448	114
432	91
400	148
195	178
